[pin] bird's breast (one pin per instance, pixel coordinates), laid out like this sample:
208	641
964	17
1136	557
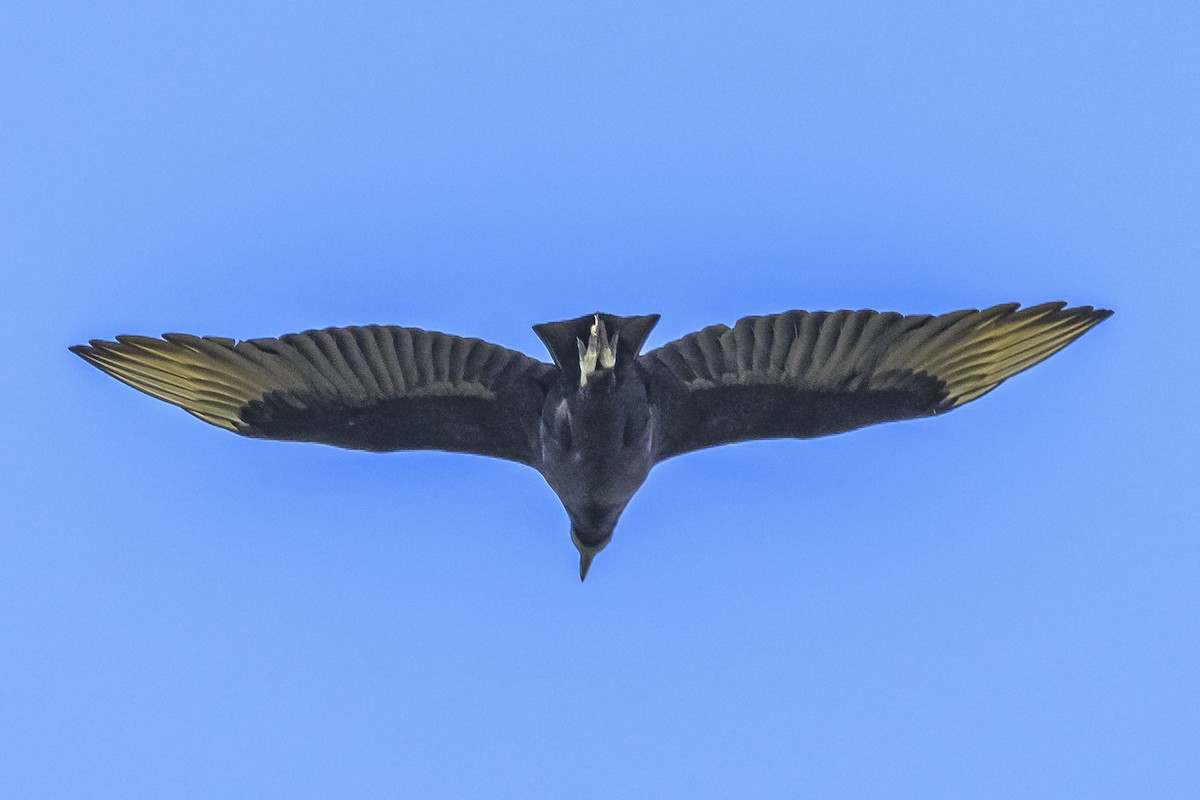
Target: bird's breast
596	447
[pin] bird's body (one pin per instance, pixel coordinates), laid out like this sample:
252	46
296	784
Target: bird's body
596	421
597	447
599	450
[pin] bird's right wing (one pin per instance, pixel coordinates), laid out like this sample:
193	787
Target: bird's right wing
365	388
804	374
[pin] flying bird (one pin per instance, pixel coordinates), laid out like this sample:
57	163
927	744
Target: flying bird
597	420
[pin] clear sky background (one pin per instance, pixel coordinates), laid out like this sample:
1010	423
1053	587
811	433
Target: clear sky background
1001	602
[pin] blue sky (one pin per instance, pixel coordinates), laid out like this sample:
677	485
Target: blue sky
1001	602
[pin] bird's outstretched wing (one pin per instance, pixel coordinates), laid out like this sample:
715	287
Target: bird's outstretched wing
366	388
804	374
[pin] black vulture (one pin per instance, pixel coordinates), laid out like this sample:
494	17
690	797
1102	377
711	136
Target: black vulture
595	421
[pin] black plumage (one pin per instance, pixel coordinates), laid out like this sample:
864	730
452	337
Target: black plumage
601	416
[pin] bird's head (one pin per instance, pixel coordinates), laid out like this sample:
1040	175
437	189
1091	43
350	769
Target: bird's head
591	530
588	543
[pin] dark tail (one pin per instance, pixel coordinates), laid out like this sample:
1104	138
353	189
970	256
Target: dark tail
560	338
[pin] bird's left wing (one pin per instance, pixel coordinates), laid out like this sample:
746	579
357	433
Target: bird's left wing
366	388
804	374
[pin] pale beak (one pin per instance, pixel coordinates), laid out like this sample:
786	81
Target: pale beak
585	563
